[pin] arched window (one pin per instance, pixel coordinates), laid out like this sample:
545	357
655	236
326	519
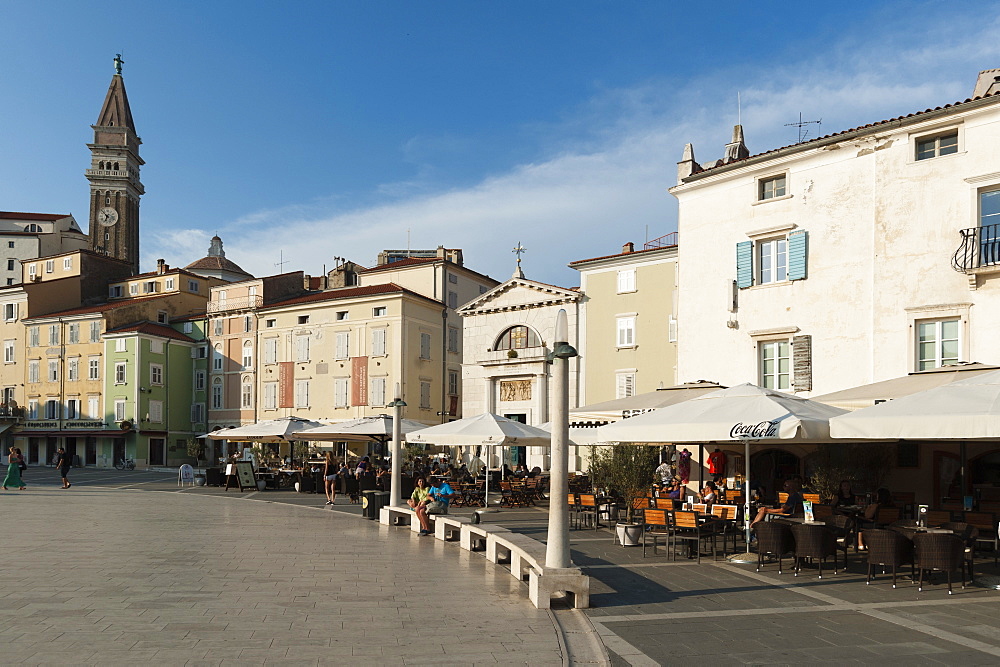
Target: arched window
116	166
33	228
101	164
517	338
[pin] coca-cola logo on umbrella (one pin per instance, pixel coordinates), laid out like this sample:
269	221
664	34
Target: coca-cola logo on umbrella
766	429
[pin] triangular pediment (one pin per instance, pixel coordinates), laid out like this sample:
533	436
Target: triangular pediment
116	111
519	294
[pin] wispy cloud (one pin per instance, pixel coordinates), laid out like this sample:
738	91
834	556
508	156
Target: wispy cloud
605	180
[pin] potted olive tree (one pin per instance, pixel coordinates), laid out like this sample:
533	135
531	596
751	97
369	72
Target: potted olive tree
625	471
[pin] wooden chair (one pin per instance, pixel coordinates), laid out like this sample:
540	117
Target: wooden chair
822	512
887	515
782	498
656	526
937	517
588	508
986	522
701	508
726	526
665	504
811	497
573	501
686	527
639	505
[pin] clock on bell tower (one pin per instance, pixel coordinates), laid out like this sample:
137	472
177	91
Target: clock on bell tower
115	188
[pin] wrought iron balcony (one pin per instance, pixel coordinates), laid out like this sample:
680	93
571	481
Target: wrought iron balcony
11	412
980	249
239	303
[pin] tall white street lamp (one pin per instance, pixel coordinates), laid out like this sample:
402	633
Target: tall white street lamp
397	406
557	553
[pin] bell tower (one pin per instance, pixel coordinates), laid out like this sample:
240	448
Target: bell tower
114	177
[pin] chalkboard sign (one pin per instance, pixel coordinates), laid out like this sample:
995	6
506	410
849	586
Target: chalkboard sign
244	472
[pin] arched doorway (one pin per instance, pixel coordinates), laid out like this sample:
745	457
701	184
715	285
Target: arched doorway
770	468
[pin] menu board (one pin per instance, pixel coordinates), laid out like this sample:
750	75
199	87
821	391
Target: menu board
244	472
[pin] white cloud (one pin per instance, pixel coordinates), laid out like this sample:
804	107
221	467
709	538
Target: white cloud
615	160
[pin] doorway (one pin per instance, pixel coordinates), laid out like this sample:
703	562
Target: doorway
518	455
770	468
157	451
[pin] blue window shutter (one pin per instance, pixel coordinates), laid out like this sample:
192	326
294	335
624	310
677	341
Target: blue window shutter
798	249
744	264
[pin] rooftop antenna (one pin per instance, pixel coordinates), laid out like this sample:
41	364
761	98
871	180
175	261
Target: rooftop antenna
803	130
281	261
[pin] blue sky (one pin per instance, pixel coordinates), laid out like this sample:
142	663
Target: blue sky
322	129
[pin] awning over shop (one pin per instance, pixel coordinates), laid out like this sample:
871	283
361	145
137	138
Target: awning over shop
72	434
868	395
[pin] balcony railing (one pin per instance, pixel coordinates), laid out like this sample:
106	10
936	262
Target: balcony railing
239	303
664	241
11	412
980	248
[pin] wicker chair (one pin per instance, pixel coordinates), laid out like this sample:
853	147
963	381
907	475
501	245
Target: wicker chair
812	541
844	532
969	535
888	549
986	522
939	551
775	538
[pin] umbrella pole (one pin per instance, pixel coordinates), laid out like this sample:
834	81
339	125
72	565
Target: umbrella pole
745	557
486	498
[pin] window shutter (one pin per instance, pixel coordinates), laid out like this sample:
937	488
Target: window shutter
744	264
798	248
802	363
672	329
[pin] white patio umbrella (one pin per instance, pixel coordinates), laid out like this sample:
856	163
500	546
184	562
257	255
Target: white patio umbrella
623	408
745	413
364	429
965	409
274	430
486	429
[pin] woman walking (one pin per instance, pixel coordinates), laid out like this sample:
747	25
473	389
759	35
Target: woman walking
330	478
14	470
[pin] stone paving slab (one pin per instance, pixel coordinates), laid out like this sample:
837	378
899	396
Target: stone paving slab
121	576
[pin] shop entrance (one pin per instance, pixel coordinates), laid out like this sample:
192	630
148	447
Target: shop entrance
157	451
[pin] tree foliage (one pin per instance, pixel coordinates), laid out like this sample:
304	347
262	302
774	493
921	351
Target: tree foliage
625	470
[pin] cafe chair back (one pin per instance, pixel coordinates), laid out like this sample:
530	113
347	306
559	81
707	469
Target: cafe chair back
774	538
814	541
944	552
888	549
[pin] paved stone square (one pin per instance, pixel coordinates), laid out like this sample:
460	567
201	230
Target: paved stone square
101	574
202	574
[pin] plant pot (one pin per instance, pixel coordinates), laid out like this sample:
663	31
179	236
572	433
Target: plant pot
261	485
629	534
199	481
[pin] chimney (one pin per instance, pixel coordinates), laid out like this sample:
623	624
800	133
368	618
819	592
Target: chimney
628	247
988	83
161	267
687	165
737	149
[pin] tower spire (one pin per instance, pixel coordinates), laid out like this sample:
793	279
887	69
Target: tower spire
115	188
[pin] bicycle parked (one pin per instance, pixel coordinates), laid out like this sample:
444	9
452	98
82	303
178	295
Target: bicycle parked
125	464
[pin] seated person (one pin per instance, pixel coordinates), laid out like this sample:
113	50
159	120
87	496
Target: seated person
845	494
676	489
535	472
439	497
708	494
418	501
792	506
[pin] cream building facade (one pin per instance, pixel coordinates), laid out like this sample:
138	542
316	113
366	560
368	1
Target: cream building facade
508	334
628	321
853	258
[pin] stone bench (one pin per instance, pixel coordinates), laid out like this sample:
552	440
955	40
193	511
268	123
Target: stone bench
398	516
449	528
520	551
474	536
526	555
545	582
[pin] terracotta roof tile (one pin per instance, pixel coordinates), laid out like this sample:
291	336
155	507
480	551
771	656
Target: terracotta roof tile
216	264
43	217
346	293
153	329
